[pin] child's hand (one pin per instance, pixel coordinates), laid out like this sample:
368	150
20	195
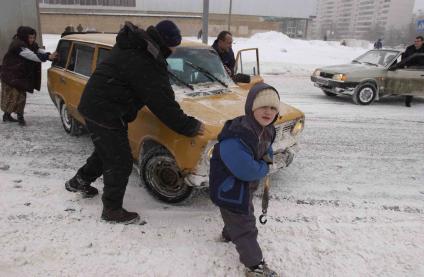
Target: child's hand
268	159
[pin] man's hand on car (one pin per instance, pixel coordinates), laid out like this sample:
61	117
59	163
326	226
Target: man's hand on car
201	130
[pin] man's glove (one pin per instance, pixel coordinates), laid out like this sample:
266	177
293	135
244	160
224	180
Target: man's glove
268	159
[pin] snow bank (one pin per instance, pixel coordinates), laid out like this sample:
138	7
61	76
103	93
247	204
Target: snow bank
279	53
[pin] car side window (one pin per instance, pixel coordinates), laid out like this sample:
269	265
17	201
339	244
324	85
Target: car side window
62	51
81	59
103	54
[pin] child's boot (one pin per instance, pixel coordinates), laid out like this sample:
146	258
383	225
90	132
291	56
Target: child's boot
261	270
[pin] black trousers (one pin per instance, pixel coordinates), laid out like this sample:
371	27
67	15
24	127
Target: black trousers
112	159
241	230
408	100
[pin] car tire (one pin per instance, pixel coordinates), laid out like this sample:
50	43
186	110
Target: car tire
364	94
70	125
162	176
329	93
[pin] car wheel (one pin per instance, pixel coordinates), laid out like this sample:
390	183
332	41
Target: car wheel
162	176
329	93
69	123
364	94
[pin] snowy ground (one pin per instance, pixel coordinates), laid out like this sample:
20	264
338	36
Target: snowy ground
351	204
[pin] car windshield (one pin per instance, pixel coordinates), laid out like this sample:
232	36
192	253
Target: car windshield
189	66
377	57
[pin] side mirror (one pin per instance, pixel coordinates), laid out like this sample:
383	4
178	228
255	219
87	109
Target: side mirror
241	78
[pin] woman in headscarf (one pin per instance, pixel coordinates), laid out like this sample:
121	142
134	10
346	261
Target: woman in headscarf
21	73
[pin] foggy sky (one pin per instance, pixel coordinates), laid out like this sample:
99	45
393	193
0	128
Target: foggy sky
419	5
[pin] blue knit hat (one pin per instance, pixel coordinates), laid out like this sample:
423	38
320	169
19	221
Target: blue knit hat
169	32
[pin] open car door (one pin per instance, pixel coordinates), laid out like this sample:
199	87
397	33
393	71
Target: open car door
247	62
407	78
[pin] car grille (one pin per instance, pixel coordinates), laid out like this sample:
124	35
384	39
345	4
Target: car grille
326	75
284	129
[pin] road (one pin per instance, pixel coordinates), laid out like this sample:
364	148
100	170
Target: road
352	202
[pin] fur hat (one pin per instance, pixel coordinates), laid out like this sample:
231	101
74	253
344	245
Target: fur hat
169	32
267	97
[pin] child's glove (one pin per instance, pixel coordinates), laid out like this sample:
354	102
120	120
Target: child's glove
268	159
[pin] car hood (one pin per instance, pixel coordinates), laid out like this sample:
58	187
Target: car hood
348	68
218	108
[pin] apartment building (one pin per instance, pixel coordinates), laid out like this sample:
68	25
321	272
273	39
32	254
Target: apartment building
339	19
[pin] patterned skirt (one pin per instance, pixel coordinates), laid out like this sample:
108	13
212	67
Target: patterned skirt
12	100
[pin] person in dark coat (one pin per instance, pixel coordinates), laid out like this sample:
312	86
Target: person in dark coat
378	44
133	76
240	159
223	46
21	72
417	47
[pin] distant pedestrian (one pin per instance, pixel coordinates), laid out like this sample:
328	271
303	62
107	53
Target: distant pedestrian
378	44
343	43
80	28
21	73
240	159
199	34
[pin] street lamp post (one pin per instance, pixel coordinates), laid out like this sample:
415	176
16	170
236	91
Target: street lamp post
229	16
205	21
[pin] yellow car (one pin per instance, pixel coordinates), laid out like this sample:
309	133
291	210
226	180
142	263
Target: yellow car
169	164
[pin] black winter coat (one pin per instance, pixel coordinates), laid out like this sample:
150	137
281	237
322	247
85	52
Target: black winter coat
134	75
227	58
18	72
411	50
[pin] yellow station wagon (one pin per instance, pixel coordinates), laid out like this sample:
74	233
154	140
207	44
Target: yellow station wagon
170	164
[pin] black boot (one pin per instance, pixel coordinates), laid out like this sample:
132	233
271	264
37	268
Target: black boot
77	184
408	100
8	117
120	216
21	120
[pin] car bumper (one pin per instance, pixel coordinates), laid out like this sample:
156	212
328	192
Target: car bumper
281	160
334	86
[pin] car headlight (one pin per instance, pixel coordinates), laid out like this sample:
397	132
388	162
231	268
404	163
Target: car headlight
317	72
340	77
298	127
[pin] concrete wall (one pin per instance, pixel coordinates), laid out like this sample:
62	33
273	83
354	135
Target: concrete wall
55	23
277	8
14	14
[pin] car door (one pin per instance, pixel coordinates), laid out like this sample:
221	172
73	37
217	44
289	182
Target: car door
247	62
408	80
79	69
56	74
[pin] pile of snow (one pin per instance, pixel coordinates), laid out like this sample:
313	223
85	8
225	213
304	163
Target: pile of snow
279	53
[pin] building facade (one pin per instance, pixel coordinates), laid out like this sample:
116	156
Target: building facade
361	19
248	16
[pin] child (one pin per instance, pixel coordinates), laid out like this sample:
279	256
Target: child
239	161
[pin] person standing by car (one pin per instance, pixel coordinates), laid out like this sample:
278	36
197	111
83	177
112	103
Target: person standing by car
21	73
222	45
134	75
417	47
